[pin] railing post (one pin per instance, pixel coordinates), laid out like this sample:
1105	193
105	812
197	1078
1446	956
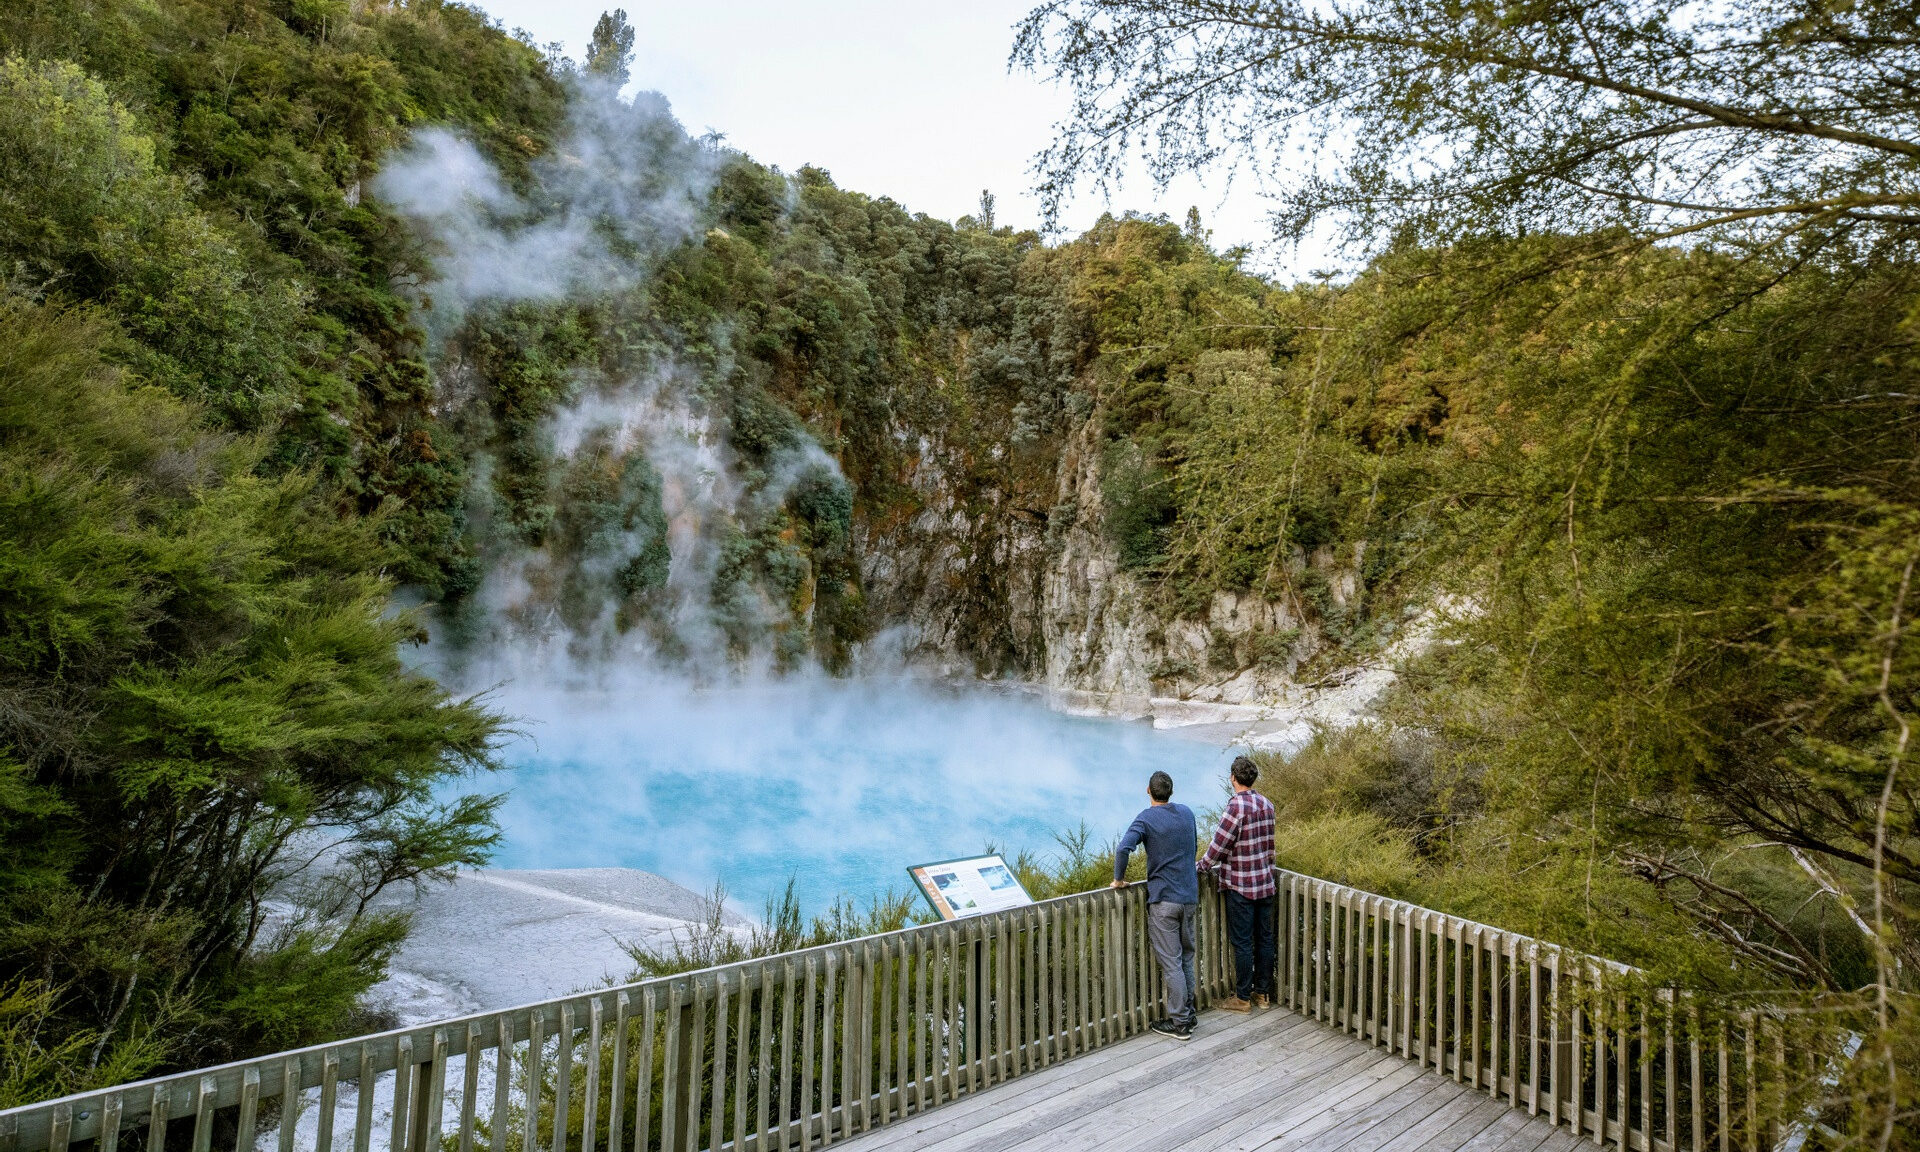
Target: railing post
676	1084
403	1071
423	1106
717	1115
562	1082
696	1064
787	1006
976	1019
622	1021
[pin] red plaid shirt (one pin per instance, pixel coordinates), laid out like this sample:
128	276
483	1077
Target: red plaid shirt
1244	843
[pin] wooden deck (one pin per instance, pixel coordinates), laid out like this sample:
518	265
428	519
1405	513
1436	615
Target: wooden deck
1273	1080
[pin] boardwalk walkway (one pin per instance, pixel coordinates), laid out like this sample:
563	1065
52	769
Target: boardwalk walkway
1024	1031
1274	1081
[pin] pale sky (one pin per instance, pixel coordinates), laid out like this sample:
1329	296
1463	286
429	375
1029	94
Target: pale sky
912	101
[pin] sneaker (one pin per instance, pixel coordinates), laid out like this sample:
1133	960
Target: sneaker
1235	1004
1260	1000
1171	1030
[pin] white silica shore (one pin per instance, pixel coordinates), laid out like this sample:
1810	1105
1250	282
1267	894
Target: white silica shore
496	937
1280	721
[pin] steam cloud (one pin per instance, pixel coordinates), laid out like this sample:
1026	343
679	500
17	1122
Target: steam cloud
623	186
838	783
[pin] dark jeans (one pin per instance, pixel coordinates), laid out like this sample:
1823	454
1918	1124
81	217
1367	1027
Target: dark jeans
1250	928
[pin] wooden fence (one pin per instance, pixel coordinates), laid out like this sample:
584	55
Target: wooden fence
793	1051
1588	1043
800	1050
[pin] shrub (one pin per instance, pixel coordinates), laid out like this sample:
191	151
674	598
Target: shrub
1357	849
186	646
86	210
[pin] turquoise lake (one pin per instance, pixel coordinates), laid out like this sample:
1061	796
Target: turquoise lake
838	785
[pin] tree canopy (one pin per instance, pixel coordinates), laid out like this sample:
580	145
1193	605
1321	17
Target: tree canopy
1433	119
1621	407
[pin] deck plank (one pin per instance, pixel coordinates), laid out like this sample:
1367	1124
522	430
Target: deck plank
1452	1124
1411	1098
1069	1090
1537	1138
1511	1128
1080	1119
1245	1103
1063	1078
1270	1082
1198	1091
1426	1112
1274	1121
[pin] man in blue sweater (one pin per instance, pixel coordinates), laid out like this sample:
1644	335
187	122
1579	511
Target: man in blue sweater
1166	830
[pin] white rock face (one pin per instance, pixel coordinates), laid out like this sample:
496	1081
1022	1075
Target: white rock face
497	938
974	587
957	583
1093	617
1109	653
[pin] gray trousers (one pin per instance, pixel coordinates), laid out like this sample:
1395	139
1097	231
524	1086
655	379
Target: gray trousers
1170	932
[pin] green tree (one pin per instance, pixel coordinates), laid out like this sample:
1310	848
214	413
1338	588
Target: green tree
1667	722
203	691
610	52
87	211
253	270
1630	380
1431	119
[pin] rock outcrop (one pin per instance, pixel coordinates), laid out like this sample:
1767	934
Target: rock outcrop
980	583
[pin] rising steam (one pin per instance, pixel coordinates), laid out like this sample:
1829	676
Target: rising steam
648	496
623	185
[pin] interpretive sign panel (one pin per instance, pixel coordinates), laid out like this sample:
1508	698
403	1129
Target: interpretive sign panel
969	887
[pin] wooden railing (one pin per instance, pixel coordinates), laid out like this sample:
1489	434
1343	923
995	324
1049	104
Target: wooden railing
1587	1043
788	1052
799	1050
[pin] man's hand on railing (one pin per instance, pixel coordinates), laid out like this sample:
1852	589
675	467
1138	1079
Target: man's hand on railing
1118	884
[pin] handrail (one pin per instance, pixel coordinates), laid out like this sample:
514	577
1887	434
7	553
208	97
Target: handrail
1589	1043
798	1050
821	1043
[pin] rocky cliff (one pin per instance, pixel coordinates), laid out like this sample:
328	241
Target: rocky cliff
978	582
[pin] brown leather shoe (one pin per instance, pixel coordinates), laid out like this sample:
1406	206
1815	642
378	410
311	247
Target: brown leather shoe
1260	1001
1235	1004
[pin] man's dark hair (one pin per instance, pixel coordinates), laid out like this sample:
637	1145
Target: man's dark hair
1245	771
1160	787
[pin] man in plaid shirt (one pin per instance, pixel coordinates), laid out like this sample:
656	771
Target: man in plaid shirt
1243	843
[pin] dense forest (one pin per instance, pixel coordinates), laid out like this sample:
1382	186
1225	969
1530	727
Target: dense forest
1619	408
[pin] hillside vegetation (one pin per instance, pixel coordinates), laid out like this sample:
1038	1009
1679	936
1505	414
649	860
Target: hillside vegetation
1629	387
235	425
1660	498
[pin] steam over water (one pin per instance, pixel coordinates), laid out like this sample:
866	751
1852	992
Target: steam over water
840	785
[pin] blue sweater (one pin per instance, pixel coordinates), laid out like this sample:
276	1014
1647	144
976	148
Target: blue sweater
1167	831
